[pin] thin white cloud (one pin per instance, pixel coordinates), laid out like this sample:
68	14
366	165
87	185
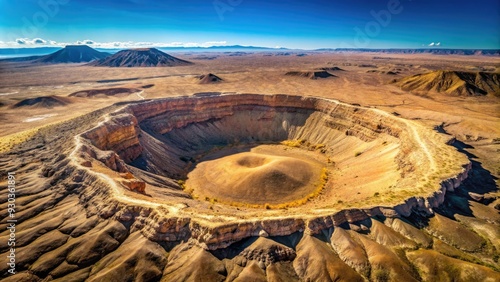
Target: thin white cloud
85	42
213	43
189	44
434	44
38	42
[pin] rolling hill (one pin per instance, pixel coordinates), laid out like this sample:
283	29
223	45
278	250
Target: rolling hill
457	83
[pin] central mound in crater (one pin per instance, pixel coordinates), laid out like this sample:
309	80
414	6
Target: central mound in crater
267	174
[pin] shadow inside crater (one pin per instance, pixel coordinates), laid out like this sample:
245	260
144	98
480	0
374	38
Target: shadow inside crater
174	153
475	188
479	180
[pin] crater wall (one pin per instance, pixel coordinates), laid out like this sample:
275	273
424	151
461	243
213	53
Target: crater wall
163	137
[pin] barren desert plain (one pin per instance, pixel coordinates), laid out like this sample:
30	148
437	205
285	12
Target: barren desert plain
252	166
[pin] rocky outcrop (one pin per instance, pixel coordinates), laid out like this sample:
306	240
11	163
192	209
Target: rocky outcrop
267	252
118	134
209	78
436	199
224	235
134	185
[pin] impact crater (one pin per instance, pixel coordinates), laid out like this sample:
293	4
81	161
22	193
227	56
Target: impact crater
222	167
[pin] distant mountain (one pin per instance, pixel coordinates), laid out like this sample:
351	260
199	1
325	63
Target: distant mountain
73	54
144	57
452	83
20	59
68	54
26	52
436	51
230	48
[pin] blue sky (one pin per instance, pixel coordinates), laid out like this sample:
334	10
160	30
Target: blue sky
294	24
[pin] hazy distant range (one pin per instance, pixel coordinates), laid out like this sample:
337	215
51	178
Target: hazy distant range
38	51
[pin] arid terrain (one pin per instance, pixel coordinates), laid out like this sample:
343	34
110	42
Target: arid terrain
261	166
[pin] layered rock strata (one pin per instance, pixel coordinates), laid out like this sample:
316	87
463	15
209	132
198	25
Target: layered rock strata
166	136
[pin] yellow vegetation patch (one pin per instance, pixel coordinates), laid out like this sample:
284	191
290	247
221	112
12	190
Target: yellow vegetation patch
9	141
293	143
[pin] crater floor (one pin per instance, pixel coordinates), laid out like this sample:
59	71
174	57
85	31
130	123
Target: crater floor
265	174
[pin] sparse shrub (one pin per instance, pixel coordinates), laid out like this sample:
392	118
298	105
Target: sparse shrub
452	271
319	146
381	275
324	176
182	183
357	154
496	258
293	143
376	194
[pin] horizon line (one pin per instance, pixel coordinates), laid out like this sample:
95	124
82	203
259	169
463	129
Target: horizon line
247	46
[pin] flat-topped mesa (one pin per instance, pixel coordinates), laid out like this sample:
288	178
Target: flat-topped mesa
375	163
314	74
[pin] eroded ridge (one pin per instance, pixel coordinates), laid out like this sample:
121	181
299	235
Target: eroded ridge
377	164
